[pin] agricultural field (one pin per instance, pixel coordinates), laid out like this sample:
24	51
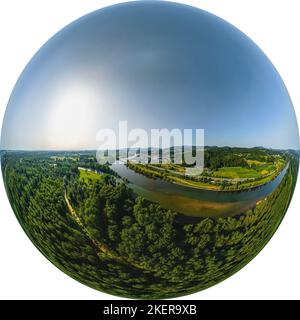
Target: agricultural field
236	173
254	171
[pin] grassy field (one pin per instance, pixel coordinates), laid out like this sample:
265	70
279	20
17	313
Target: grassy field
254	162
236	173
86	176
169	166
258	170
195	184
266	168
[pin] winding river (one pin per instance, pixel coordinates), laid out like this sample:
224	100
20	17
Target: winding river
196	202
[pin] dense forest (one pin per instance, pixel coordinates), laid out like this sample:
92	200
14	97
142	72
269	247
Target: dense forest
215	157
100	233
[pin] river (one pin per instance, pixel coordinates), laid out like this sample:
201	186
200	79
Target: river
195	202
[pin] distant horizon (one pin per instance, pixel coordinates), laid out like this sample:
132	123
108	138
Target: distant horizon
94	150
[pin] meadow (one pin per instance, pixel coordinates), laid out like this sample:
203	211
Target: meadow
87	175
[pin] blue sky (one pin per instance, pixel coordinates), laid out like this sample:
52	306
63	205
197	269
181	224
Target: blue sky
156	65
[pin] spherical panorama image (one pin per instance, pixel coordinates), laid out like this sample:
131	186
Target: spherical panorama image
149	150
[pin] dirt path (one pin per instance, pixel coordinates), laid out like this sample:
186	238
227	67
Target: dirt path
102	248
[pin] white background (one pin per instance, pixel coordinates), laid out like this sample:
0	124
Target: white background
26	25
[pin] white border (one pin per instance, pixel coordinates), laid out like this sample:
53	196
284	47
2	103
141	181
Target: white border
26	25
